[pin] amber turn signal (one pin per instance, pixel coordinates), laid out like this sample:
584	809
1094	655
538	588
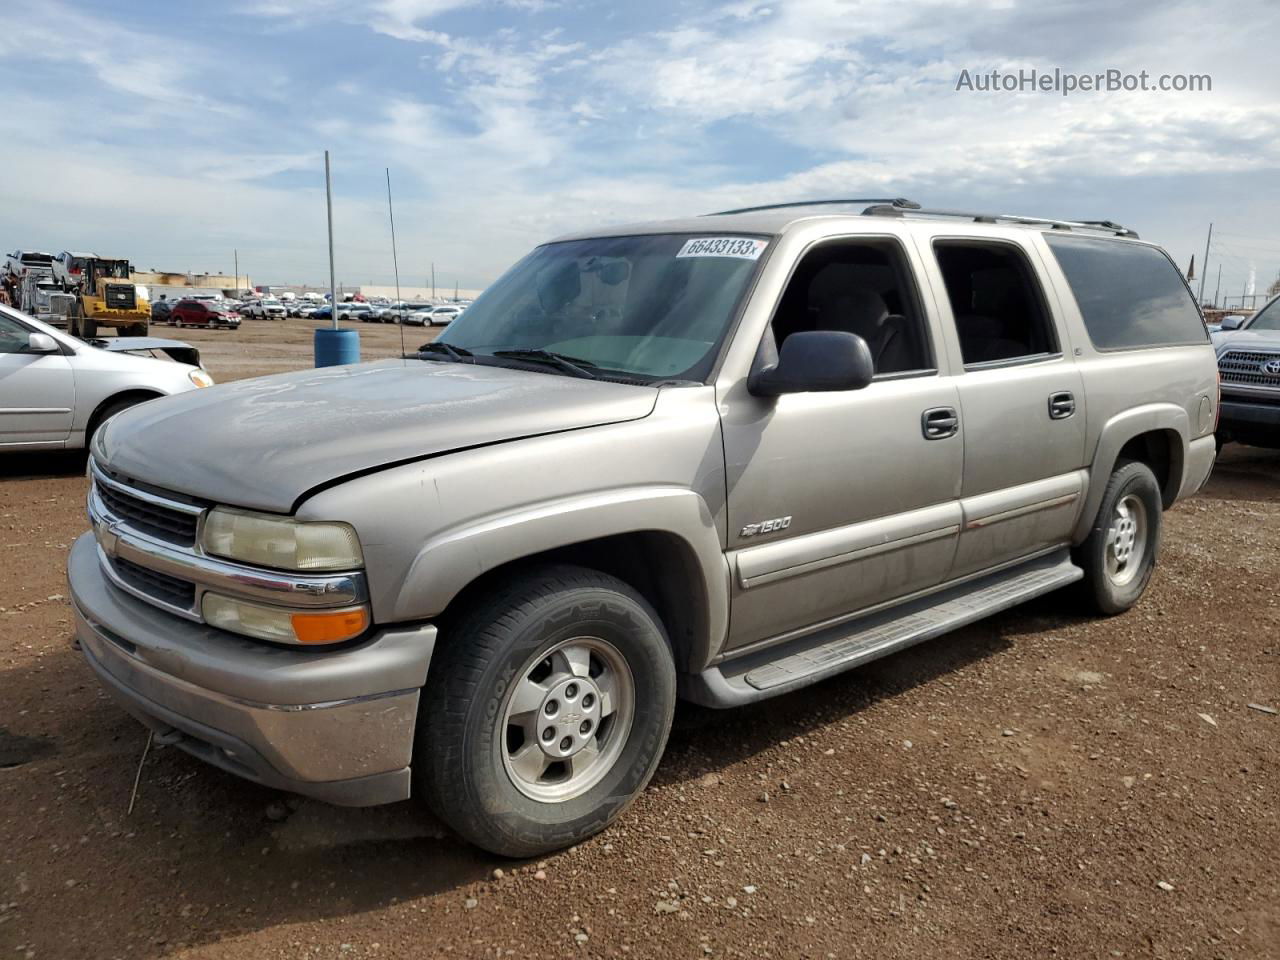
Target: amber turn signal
330	627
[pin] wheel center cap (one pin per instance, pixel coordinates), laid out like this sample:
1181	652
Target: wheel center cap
569	717
1124	536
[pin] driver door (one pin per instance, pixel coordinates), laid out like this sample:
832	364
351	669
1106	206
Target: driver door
843	501
37	391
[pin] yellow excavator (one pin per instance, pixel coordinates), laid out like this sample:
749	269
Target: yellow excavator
106	296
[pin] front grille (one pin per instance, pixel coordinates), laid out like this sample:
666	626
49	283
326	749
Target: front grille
149	518
121	296
170	590
1245	366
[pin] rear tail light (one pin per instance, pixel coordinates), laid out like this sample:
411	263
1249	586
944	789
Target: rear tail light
1217	407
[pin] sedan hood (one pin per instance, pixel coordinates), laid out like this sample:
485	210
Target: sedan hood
265	443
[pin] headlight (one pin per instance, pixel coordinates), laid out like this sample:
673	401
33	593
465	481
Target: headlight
283	626
200	378
278	542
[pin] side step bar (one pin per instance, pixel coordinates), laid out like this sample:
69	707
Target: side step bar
801	662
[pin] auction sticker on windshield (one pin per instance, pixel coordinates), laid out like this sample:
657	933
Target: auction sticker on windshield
744	248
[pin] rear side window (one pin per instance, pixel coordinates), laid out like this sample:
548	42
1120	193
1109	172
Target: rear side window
1130	294
997	303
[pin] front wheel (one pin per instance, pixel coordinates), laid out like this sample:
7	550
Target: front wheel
546	711
1119	555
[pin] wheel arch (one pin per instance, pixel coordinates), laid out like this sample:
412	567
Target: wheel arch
663	543
137	394
656	564
1156	434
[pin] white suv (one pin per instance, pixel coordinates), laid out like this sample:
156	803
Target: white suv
267	308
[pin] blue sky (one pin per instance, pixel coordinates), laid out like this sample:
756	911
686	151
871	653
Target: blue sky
174	133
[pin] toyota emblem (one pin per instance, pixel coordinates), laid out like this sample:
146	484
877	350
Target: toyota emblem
1271	368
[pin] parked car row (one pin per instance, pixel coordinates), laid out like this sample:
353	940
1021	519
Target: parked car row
417	314
207	309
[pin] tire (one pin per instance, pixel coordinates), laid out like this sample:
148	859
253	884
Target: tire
1119	555
133	330
109	411
516	648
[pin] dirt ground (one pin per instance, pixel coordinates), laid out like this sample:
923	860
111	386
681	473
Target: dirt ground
1039	784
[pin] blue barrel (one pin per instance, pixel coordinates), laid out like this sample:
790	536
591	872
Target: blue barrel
334	347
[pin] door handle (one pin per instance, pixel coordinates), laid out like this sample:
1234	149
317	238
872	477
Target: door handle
1061	405
939	423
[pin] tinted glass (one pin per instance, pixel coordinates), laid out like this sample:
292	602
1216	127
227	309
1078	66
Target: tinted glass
1130	294
864	288
996	301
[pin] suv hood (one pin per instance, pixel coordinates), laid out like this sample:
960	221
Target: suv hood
264	443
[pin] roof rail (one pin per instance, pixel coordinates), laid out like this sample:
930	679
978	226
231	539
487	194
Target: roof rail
1102	226
897	203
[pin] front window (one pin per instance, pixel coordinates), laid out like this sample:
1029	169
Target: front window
13	336
1268	318
645	307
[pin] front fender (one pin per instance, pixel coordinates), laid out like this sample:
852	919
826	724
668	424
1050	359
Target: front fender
454	557
1118	431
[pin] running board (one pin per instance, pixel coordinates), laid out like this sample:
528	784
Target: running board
800	662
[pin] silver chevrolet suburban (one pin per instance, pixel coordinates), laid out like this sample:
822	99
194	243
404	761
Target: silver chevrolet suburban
717	458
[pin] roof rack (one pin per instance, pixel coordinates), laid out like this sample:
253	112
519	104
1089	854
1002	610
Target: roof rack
894	209
896	203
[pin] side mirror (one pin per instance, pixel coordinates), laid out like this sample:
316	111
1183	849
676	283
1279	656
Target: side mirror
41	343
814	361
1233	322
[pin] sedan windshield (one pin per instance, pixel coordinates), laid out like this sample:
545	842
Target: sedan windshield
648	307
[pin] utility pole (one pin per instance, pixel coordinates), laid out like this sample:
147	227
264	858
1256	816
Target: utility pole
236	254
1204	264
433	281
1219	290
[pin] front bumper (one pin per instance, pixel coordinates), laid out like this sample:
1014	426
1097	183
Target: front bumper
335	725
1240	412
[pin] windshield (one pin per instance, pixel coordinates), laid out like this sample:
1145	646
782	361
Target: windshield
653	307
1268	318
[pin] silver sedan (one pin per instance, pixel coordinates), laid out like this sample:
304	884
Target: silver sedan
55	389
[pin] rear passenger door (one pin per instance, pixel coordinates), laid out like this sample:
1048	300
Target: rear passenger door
1021	401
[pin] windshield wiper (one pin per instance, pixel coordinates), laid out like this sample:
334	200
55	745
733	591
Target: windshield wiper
570	365
458	354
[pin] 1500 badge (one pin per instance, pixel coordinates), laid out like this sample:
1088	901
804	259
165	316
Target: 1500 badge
766	526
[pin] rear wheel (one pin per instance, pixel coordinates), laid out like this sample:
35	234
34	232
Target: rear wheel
1119	555
546	711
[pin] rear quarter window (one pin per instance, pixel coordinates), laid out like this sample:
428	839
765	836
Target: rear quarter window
1130	294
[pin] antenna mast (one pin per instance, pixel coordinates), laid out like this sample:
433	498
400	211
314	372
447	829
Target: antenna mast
395	262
